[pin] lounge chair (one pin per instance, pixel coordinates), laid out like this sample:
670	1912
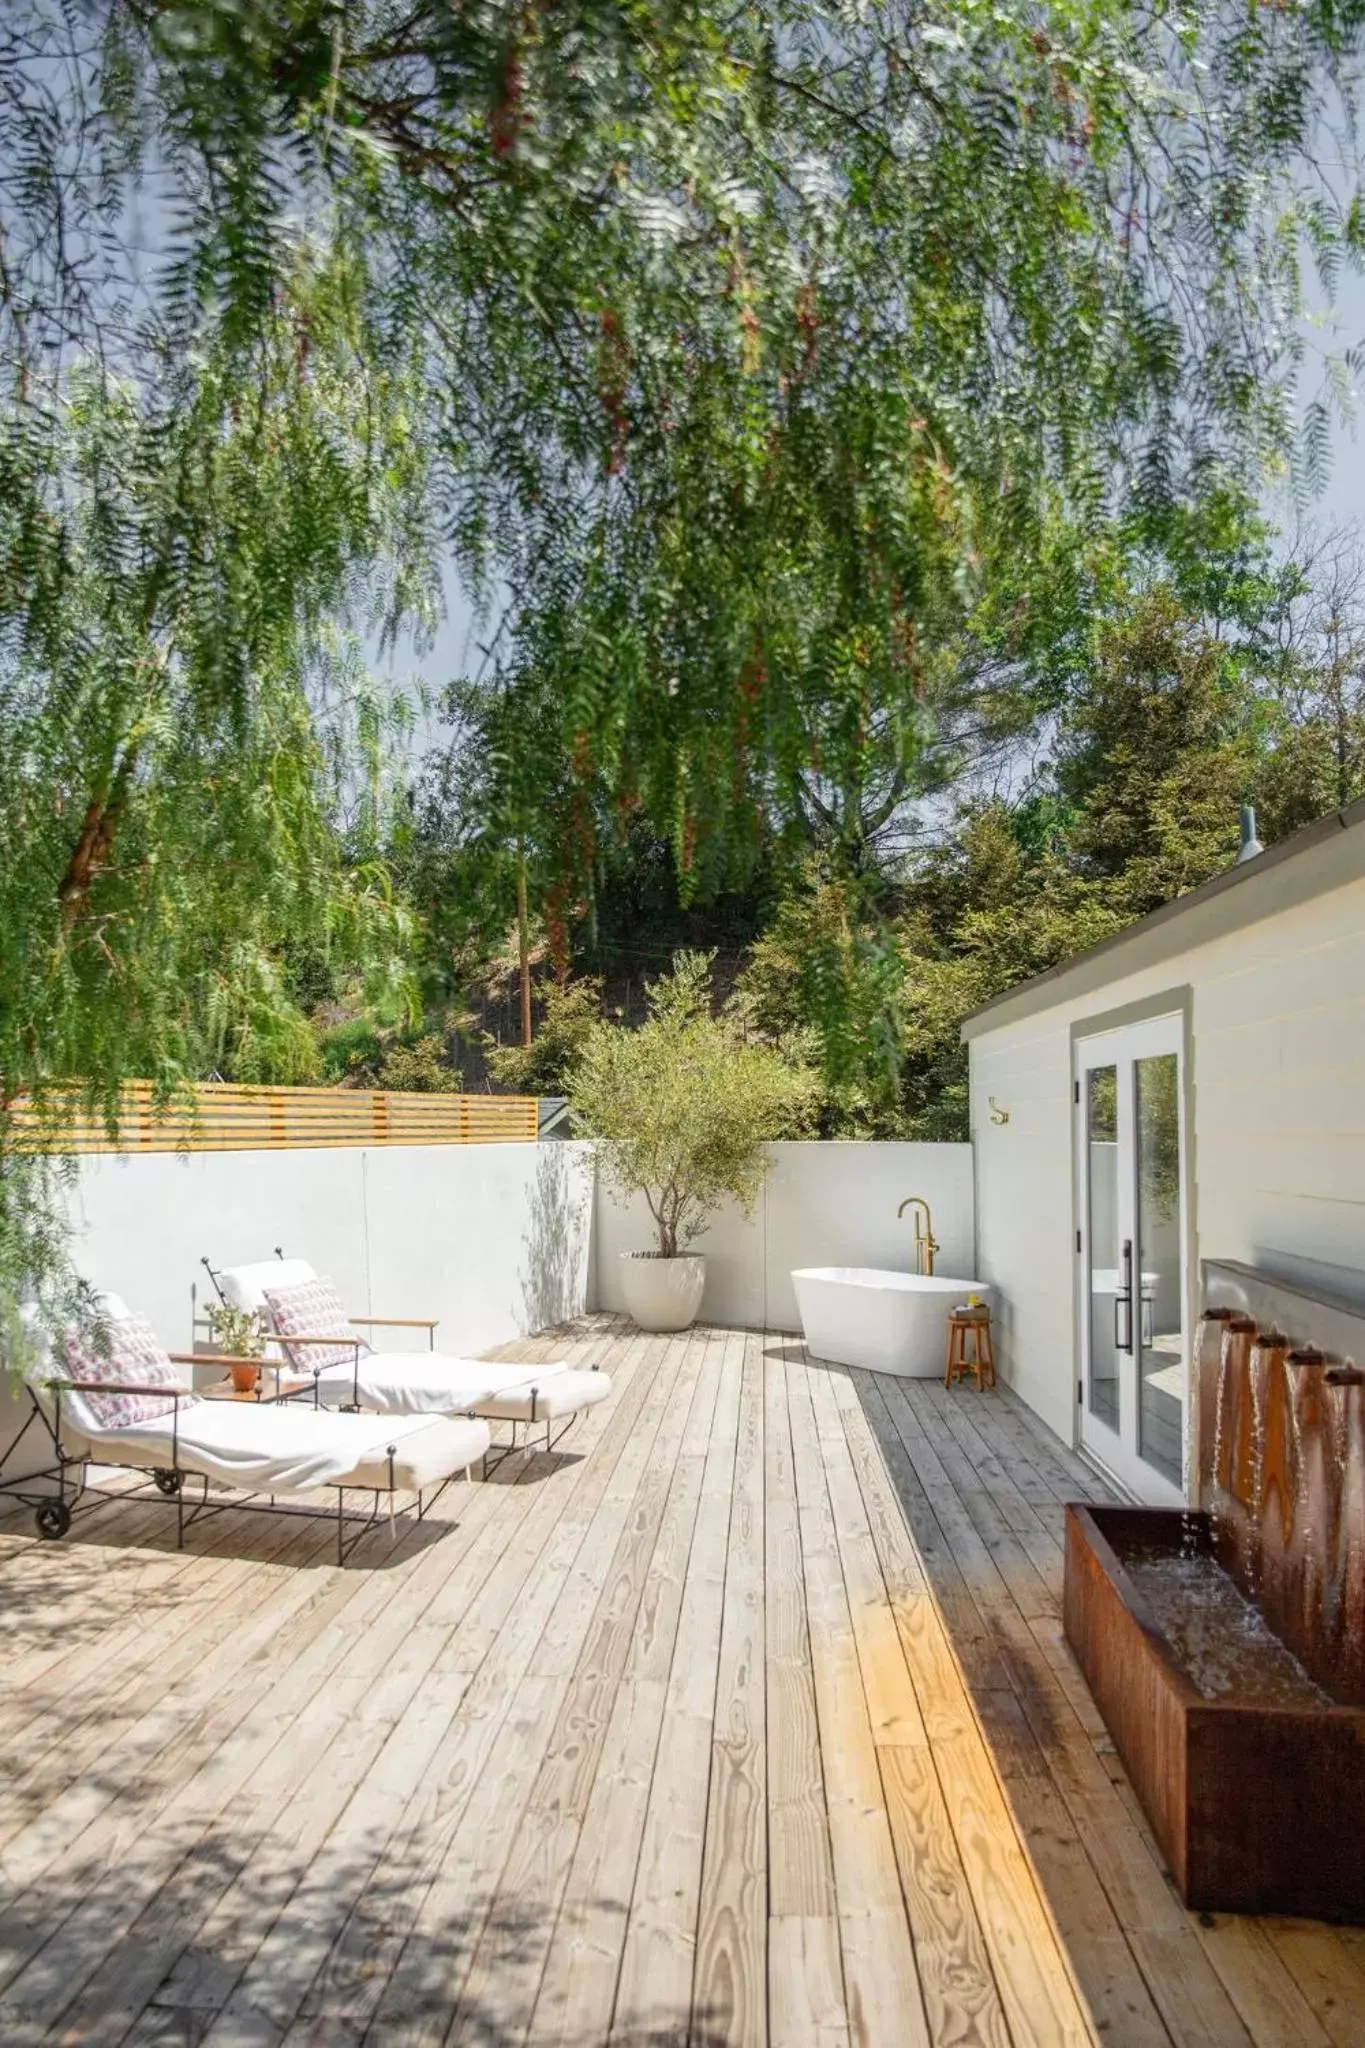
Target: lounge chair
317	1338
126	1406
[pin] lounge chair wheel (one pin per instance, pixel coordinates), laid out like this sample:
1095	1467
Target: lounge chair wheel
167	1483
53	1519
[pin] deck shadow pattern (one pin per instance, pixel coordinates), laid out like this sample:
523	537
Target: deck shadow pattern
747	1720
981	1485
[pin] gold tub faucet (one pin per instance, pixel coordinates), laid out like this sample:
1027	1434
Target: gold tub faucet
926	1244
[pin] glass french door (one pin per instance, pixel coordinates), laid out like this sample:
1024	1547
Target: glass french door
1131	1238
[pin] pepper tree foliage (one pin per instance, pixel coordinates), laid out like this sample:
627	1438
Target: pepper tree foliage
773	352
771	369
183	722
981	283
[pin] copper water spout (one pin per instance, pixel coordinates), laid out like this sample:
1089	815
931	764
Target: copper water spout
926	1244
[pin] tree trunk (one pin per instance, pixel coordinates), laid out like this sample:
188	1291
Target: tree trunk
98	832
523	947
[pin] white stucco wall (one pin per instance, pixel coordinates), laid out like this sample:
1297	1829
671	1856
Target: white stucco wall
1278	1068
823	1204
493	1239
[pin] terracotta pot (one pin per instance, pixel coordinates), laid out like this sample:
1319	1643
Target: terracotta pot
663	1294
244	1377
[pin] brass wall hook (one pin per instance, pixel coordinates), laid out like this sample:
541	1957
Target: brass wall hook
998	1115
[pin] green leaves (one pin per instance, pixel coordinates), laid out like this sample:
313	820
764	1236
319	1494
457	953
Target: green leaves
742	349
978	300
684	1104
180	713
790	385
831	966
570	1013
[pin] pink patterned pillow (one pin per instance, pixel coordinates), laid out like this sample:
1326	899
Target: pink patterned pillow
312	1309
135	1358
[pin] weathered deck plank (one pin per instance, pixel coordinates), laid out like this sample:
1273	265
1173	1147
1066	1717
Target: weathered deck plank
745	1718
730	1981
654	1985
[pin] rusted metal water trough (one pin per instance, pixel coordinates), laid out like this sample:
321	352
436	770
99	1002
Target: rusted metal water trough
1258	1809
1256	1792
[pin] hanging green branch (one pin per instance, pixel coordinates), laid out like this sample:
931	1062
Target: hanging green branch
174	562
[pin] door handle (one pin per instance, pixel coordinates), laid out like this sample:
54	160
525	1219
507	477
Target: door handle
1123	1302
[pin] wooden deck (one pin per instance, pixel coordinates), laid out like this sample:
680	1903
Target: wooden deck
743	1718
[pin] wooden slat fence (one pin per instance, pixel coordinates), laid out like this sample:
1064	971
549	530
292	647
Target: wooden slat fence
227	1118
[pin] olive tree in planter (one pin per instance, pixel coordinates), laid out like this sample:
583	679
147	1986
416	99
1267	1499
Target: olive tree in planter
683	1106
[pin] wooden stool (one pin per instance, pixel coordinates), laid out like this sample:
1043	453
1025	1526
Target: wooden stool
973	1323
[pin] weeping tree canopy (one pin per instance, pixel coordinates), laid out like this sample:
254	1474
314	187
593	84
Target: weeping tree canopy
185	727
181	716
779	374
800	399
774	359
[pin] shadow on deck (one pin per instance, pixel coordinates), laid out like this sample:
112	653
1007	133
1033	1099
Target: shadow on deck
981	1484
746	1721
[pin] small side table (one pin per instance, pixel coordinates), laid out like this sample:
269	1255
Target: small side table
970	1348
282	1390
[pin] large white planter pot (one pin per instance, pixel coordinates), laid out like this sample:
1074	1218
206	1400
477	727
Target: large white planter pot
663	1294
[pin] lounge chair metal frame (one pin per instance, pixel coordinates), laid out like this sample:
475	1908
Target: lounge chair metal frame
497	1452
55	1512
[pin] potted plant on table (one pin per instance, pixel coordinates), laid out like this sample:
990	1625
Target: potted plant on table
682	1108
240	1335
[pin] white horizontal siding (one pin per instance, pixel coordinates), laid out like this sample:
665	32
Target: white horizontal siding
1023	1208
1279	1123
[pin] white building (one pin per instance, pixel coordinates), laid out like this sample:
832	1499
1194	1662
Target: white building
1192	1089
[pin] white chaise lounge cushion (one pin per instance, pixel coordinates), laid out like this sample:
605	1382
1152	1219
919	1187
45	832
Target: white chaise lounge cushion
541	1397
285	1448
428	1383
432	1450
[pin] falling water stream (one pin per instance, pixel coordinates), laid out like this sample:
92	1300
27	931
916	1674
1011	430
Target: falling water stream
1266	1599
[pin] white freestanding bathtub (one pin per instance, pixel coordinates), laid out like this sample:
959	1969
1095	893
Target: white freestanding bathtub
888	1322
